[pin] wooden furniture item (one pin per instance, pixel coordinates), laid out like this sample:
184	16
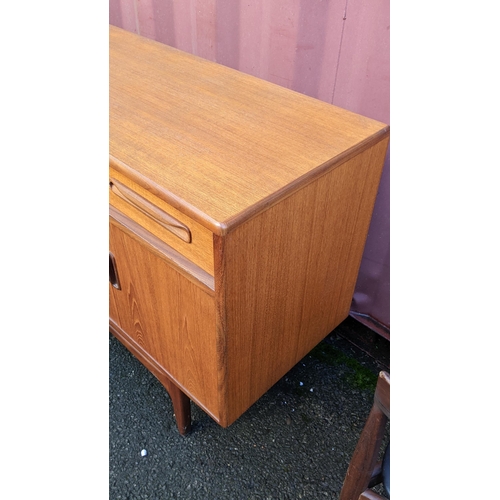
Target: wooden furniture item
238	215
365	471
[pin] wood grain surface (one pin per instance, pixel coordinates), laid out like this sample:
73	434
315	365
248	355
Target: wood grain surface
168	316
217	144
200	248
155	245
284	279
273	193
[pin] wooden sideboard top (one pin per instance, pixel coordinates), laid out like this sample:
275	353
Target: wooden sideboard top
218	144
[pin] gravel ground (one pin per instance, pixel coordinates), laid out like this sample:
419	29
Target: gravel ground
295	442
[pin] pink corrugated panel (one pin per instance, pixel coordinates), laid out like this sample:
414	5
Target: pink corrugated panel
334	50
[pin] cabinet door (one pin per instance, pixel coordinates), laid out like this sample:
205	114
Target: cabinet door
168	316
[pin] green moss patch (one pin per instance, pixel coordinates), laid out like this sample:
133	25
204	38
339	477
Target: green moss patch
357	375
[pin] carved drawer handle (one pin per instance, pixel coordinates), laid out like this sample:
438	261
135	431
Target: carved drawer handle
147	208
113	275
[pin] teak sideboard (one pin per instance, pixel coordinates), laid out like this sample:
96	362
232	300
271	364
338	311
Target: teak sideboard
238	214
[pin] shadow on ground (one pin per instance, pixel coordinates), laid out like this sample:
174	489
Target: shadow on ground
295	442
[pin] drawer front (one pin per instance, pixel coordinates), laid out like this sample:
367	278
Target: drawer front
179	231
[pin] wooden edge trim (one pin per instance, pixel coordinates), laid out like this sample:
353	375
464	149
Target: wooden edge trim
151	364
183	265
222	228
304	180
221	328
165	195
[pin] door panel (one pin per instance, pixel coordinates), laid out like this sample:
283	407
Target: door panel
167	315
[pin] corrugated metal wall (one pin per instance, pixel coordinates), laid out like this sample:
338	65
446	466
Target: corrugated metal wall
334	50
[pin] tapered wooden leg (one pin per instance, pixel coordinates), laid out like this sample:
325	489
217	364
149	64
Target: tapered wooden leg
181	404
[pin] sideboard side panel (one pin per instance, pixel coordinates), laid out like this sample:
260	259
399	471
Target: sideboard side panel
286	277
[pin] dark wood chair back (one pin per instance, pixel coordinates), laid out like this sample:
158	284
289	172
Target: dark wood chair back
365	470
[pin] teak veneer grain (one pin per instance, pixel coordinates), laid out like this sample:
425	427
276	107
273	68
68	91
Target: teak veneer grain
216	143
238	216
166	316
